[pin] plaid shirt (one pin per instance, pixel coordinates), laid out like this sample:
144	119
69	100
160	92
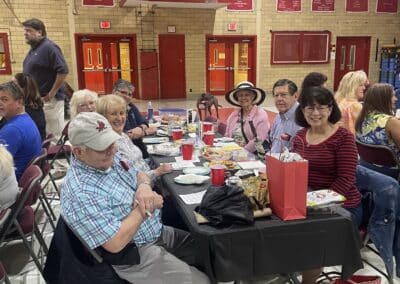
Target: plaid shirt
94	203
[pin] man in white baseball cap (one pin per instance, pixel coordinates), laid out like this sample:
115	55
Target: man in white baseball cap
112	207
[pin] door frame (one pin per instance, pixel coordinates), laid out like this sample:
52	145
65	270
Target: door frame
336	80
107	37
234	39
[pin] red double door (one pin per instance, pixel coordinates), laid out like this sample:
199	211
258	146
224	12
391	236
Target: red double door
101	60
230	60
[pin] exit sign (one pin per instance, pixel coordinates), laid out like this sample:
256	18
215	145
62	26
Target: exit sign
105	24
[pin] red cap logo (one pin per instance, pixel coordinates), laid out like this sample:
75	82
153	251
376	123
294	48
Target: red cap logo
100	126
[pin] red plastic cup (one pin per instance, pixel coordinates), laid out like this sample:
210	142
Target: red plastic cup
187	150
176	134
217	175
208	138
207	126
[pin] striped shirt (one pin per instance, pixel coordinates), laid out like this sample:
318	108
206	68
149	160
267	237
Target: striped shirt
94	203
332	163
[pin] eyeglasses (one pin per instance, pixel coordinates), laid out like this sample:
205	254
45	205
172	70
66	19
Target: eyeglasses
320	109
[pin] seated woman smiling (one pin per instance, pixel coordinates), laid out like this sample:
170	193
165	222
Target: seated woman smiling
113	108
330	150
249	123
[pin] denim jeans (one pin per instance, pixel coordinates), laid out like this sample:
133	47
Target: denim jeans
383	225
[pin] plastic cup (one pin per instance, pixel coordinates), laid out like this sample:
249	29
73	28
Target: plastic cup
217	175
207	126
208	138
176	134
187	150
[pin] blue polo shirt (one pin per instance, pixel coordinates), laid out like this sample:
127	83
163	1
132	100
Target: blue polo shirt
43	62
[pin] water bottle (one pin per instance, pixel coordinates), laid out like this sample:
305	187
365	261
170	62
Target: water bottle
149	112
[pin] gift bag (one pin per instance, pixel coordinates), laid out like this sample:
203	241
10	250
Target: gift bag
287	184
363	279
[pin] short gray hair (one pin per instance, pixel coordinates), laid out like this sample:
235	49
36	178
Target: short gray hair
121	84
78	97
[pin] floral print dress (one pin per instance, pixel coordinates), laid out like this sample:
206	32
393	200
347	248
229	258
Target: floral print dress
373	131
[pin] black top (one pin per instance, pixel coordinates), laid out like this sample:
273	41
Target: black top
43	62
37	115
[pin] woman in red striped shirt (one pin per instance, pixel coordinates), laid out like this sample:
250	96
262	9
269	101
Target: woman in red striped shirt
330	150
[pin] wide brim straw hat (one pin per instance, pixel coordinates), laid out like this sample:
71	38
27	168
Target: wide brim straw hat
231	96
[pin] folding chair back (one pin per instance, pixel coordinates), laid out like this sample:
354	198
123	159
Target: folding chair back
380	155
60	150
46	143
41	162
30	184
21	222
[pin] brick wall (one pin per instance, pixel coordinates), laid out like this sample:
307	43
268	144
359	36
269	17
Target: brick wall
65	17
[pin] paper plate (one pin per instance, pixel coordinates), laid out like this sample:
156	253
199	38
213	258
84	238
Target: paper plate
197	171
191	179
155	140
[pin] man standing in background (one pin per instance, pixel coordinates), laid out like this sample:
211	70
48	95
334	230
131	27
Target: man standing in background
46	64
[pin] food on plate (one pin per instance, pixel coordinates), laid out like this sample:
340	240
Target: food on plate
230	165
213	154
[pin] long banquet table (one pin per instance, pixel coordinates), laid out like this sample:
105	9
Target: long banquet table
270	245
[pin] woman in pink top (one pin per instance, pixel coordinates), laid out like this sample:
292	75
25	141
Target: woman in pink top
248	98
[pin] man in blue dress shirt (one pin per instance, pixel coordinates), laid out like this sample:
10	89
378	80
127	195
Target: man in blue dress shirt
284	128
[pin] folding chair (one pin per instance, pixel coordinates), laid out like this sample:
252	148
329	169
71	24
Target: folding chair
21	222
379	156
60	150
3	275
41	161
71	260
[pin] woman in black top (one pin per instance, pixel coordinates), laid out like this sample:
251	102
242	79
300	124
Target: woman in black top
33	102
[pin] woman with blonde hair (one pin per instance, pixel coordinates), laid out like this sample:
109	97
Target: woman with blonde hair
349	95
113	107
8	181
82	101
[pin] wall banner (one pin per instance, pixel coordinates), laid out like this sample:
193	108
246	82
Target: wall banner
386	6
288	5
356	6
323	5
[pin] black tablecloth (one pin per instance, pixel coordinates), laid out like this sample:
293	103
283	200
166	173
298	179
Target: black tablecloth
270	245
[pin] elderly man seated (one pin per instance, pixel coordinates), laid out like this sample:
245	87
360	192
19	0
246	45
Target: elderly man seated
284	127
111	205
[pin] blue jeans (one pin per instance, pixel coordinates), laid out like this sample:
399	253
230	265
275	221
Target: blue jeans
384	224
393	172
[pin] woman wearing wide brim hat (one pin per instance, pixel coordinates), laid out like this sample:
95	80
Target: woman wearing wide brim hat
239	123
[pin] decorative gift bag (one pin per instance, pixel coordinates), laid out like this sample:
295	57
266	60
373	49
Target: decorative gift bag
287	184
363	279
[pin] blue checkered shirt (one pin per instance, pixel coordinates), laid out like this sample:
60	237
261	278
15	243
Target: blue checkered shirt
94	202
